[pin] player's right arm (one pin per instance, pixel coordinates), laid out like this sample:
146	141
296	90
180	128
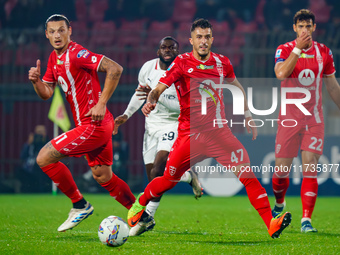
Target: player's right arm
153	98
285	68
137	98
43	89
134	104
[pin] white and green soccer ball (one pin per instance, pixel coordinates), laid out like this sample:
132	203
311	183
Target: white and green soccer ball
113	231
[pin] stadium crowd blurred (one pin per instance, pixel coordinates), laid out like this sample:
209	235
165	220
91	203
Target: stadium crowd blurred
260	14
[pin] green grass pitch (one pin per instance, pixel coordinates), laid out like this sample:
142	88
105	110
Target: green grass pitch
211	225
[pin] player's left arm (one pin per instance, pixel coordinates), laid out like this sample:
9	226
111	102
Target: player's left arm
113	72
249	119
333	88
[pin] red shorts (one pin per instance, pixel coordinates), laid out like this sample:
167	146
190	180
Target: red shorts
187	150
93	141
289	139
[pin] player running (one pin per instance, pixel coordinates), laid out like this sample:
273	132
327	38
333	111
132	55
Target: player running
302	63
160	127
192	74
75	69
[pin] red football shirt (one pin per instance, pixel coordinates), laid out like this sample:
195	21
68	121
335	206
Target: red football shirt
312	65
193	77
76	72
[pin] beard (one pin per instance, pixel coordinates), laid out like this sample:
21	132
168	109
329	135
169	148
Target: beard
167	62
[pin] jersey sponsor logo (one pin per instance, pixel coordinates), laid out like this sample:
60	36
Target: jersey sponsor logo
306	77
81	53
59	62
94	59
172	64
86	54
190	70
62	83
304	55
278	53
169	96
204	67
280	60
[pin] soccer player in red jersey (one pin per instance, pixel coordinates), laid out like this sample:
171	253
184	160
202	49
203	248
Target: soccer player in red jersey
75	69
302	63
198	138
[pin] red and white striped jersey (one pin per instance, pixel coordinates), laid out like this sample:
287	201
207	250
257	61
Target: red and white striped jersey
192	78
76	72
312	65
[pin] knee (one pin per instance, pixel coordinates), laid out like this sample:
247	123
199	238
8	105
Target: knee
102	176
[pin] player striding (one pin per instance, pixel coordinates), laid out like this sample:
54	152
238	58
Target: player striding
192	73
303	63
75	69
161	125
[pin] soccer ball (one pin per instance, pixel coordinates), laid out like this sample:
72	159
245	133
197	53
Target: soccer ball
113	231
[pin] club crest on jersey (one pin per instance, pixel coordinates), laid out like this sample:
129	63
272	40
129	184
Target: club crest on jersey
172	64
204	67
81	53
278	53
172	170
319	59
59	62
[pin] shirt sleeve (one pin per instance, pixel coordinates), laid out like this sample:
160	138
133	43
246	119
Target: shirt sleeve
329	65
230	74
88	60
49	77
281	54
173	73
142	76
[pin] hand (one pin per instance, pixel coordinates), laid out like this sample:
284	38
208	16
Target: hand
97	112
34	73
143	92
252	128
121	119
303	41
147	108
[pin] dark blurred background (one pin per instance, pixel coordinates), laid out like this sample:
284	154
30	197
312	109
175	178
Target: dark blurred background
128	31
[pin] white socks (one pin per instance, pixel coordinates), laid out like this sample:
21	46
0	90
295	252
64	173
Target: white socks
151	208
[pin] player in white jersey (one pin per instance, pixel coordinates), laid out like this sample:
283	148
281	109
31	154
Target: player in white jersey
161	125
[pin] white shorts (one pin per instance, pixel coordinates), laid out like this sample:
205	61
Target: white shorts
158	140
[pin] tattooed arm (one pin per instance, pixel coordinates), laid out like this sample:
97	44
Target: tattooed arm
113	73
153	98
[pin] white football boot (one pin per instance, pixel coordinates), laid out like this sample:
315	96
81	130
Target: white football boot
76	216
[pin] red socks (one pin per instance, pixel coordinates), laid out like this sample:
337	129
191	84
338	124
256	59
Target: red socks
156	188
63	179
120	191
309	191
280	185
257	195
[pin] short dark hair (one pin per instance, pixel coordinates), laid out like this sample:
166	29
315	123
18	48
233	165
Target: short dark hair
57	17
304	14
168	38
202	23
